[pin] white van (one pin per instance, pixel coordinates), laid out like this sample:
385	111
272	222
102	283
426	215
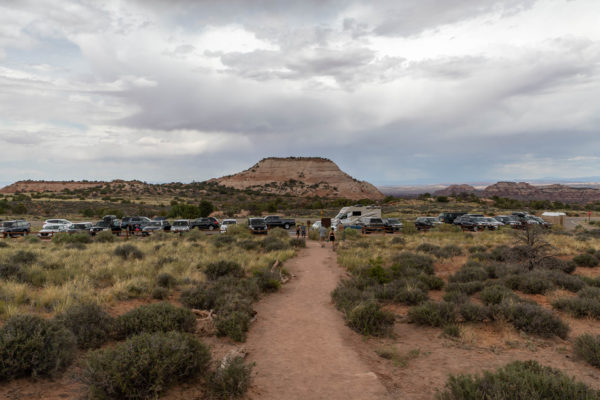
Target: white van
349	216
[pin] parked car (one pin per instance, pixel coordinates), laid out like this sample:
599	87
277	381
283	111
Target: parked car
509	220
79	227
154	226
449	217
180	225
528	219
426	223
112	225
316	225
49	230
56	222
209	223
470	222
392	225
134	223
490	223
226	222
275	221
18	227
257	225
371	224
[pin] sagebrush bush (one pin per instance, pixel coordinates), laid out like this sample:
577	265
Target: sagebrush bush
405	262
248	244
588	347
455	297
433	314
347	295
554	263
104	237
517	380
586	260
579	307
298	242
90	324
230	381
223	240
273	243
267	280
279	233
472	312
533	282
144	366
428	248
465	287
157	317
160	293
62	238
531	318
496	294
477	249
470	272
22	257
33	346
4	245
367	318
217	269
165	280
452	330
128	251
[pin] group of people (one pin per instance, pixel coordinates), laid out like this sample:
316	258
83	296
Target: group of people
325	235
301	230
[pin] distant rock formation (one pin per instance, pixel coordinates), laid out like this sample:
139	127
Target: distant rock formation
454	190
301	176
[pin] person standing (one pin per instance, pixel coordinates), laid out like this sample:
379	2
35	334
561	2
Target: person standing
298	231
322	234
303	230
332	238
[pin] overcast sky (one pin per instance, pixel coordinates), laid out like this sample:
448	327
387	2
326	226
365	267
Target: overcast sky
395	92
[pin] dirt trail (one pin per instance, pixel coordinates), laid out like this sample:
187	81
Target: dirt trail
299	342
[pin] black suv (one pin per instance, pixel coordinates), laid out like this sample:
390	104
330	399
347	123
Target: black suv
209	224
392	225
113	225
18	227
449	217
134	223
257	225
426	223
368	224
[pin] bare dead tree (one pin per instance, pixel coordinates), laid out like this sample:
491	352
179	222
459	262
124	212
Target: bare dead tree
532	240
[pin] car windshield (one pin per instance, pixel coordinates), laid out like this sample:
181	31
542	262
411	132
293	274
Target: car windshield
257	221
154	223
431	219
79	226
393	221
8	224
180	223
52	227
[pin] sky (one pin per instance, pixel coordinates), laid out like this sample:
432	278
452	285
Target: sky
394	92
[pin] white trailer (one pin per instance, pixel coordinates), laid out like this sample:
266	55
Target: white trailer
349	216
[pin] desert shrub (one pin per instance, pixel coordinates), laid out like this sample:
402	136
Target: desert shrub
428	248
554	263
104	237
238	230
165	280
586	260
367	318
496	294
90	324
578	307
533	319
267	280
410	295
221	268
160	293
63	238
347	295
433	314
23	257
233	324
588	347
33	239
279	233
470	272
313	234
75	246
4	245
477	249
517	380
451	250
157	317
534	282
455	297
452	330
473	312
432	282
10	271
248	244
397	240
297	242
589	293
231	380
565	281
468	288
33	346
272	243
223	240
145	365
410	261
128	251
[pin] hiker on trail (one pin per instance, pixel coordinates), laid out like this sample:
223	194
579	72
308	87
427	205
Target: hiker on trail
332	238
303	229
297	231
322	234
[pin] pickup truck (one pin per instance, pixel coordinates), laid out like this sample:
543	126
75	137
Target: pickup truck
274	221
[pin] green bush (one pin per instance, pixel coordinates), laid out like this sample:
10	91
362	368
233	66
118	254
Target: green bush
268	281
579	307
517	380
472	312
588	348
432	282
347	295
4	245
586	260
531	318
368	319
233	324
128	251
496	294
405	262
166	280
455	297
157	317
428	248
553	263
90	324
144	366
469	273
468	288
534	282
563	280
231	380
160	293
477	249
410	295
63	238
223	240
104	237
221	268
433	314
273	243
452	330
248	244
589	293
23	257
33	346
298	242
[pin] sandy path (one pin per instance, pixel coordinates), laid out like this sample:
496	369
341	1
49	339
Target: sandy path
299	342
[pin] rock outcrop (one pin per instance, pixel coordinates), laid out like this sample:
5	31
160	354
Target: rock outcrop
454	190
301	176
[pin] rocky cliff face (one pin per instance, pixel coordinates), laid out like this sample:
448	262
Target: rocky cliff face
29	186
525	191
453	190
301	176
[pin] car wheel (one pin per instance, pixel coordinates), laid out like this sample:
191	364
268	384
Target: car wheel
211	228
475	229
286	226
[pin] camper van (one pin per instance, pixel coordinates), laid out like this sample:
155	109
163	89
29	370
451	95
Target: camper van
349	216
